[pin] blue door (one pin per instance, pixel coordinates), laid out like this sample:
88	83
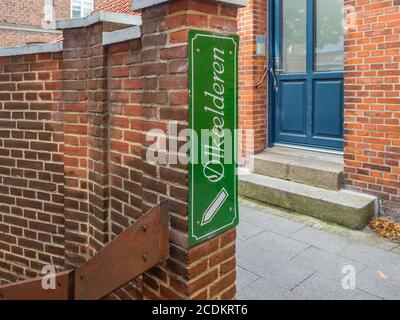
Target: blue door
307	73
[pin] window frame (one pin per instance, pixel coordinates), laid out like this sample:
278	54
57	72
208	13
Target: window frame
81	8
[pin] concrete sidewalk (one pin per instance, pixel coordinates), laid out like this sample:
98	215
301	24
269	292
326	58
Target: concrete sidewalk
281	255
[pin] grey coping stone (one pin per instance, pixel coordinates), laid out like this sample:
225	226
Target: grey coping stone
114	17
121	35
328	264
31	49
318	287
262	289
321	239
244	278
141	4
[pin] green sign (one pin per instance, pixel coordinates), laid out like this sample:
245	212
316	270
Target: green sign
213	185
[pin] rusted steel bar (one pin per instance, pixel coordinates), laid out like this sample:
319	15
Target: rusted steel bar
142	246
139	248
33	289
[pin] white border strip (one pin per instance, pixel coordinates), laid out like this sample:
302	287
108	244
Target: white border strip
121	35
141	4
99	17
31	49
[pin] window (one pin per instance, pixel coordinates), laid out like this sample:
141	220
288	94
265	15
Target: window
81	8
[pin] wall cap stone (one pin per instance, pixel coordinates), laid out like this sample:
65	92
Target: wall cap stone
31	49
8	26
141	4
99	17
121	35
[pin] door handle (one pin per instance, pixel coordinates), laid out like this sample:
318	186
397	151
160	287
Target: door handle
271	70
277	68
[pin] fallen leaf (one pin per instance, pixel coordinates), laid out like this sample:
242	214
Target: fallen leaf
386	228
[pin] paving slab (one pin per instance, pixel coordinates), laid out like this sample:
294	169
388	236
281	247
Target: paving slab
244	278
281	271
279	244
321	239
263	289
279	258
380	259
318	287
248	230
380	284
327	264
269	221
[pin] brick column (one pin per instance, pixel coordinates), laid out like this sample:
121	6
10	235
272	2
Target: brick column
86	138
253	115
206	271
74	100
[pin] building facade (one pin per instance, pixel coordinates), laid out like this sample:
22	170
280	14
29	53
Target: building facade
33	21
326	82
319	109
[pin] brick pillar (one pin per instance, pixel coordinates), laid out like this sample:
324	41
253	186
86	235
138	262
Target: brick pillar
97	107
252	22
206	271
74	101
86	138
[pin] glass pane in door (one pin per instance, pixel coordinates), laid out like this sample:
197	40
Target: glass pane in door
329	40
294	36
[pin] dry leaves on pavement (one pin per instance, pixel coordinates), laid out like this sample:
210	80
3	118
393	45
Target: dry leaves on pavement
386	228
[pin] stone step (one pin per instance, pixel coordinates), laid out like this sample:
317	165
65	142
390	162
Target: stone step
346	208
307	170
329	156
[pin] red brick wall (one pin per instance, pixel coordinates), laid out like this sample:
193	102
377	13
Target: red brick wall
31	165
252	21
15	38
149	88
24	12
30	13
110	98
372	101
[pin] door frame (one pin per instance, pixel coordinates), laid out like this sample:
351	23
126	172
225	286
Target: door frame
271	99
271	59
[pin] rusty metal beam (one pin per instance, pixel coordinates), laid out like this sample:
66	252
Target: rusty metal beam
139	248
33	289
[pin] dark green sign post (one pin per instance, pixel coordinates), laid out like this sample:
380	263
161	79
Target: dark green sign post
213	185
